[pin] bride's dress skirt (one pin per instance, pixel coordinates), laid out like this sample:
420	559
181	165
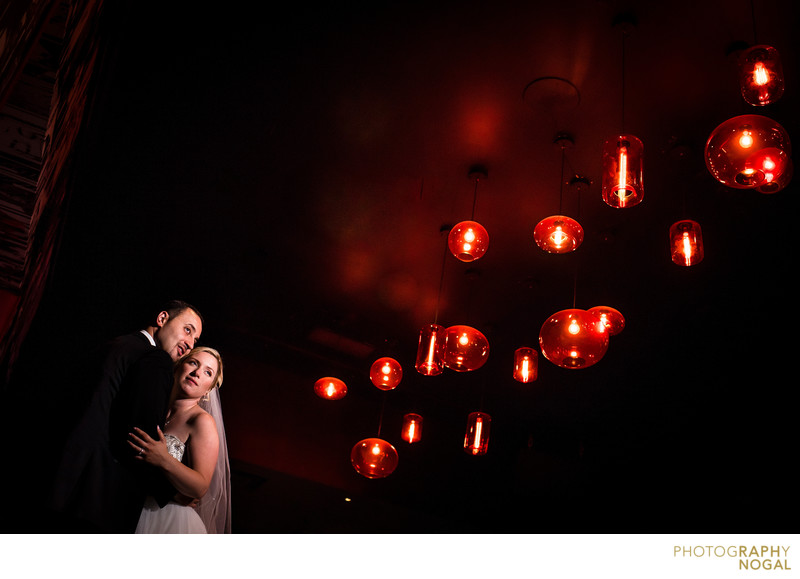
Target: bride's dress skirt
172	518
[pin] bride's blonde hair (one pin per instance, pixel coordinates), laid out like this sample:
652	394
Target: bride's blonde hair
206	349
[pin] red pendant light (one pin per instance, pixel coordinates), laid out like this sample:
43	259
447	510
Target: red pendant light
612	319
469	240
780	182
623	171
526	365
330	388
386	373
412	428
476	439
760	75
558	234
686	241
429	351
374	458
749	152
573	339
623	154
465	348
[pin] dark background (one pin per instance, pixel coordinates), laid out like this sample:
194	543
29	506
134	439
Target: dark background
291	173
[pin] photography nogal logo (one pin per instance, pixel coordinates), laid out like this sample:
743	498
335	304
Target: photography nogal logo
749	557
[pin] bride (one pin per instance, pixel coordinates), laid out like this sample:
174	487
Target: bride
193	428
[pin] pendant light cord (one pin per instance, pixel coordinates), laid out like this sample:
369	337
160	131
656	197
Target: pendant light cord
475	198
441	284
380	417
753	17
624	35
561	183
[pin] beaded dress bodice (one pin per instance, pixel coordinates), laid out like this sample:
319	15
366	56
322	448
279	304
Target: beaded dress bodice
175	446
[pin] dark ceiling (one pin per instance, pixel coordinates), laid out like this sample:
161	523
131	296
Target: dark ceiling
291	174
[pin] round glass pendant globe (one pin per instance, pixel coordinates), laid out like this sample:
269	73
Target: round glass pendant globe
386	373
465	348
748	152
330	388
613	320
468	241
558	234
374	458
573	339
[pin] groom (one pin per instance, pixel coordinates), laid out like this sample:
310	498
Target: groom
97	488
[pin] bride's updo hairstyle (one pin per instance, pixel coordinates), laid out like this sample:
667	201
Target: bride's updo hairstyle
213	352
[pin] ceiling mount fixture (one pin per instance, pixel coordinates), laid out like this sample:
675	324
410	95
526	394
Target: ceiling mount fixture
469	240
551	94
623	153
559	233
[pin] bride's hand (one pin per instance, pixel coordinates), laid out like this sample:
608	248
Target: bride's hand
147	448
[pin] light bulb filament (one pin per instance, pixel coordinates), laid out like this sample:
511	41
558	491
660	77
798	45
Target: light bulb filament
478	427
760	74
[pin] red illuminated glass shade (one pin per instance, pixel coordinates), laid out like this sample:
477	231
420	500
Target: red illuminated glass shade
468	241
386	373
779	183
429	351
330	388
374	458
613	320
573	339
476	439
526	365
749	152
760	75
558	234
686	241
622	171
465	348
412	428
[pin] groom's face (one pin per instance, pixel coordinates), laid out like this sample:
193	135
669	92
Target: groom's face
178	334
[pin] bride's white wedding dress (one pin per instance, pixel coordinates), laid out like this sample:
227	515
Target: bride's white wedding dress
172	517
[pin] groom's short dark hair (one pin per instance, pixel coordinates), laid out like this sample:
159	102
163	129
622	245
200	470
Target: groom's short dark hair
175	307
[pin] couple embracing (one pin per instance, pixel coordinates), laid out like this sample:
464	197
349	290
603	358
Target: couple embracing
149	453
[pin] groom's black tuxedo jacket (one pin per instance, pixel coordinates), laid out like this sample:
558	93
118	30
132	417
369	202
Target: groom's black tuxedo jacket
98	483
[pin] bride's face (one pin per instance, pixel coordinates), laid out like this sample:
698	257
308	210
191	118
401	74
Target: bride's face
197	375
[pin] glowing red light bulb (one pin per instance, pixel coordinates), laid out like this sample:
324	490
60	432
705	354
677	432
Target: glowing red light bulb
386	373
622	171
429	351
330	388
468	241
374	458
412	428
687	243
573	339
476	439
526	365
761	75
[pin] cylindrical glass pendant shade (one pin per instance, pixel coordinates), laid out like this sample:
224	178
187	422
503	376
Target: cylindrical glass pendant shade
613	320
330	388
374	458
558	234
468	241
573	339
761	75
429	352
412	428
749	152
476	439
526	365
623	171
465	348
686	242
386	373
